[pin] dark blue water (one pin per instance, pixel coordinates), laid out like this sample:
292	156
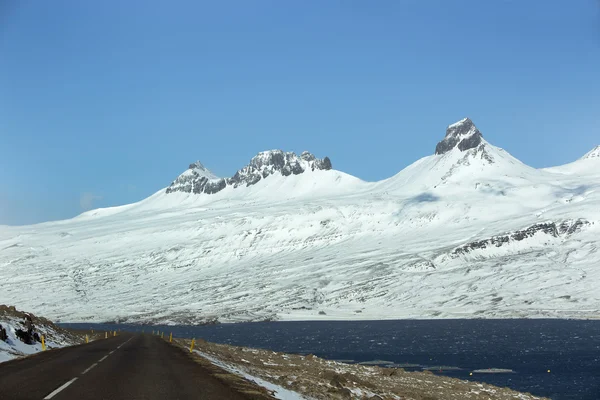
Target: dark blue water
569	349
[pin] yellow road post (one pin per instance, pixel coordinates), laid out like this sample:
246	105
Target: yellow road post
192	345
171	337
43	343
87	339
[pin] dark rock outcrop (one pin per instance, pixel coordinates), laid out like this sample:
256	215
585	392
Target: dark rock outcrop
269	162
567	227
463	135
198	179
28	335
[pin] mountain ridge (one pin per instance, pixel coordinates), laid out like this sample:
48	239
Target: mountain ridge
462	137
197	179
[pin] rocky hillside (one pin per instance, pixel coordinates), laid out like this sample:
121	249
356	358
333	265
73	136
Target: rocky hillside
21	332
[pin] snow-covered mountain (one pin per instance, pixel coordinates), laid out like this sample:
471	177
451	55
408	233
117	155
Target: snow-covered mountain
469	231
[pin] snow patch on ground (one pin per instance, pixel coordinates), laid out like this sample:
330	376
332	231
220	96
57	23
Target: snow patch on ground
278	391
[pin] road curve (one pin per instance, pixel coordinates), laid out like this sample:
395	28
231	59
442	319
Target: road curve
126	367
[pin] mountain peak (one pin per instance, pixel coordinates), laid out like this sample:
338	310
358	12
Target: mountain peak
268	162
198	179
463	135
200	169
594	153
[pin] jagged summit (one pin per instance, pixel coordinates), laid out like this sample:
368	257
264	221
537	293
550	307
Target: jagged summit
269	162
201	170
594	153
463	135
197	179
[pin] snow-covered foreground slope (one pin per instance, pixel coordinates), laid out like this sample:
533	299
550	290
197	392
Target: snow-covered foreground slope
12	347
468	232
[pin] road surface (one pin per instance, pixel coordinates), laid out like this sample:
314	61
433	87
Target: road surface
125	367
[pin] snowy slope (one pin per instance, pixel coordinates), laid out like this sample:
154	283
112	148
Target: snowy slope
468	232
13	347
586	165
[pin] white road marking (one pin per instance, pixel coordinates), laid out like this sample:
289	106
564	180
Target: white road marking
63	387
119	346
93	365
57	391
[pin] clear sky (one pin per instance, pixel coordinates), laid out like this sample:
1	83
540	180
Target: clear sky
105	102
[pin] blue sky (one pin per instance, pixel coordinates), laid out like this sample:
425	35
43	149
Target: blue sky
104	103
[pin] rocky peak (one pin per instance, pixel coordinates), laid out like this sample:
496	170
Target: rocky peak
594	154
198	179
200	169
269	162
306	156
463	135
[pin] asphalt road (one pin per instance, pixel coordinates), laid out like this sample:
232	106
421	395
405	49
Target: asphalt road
126	367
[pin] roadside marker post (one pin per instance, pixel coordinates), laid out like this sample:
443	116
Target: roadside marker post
171	337
105	335
192	345
43	343
114	333
87	339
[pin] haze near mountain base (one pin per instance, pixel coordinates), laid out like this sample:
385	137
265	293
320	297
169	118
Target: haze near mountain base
468	232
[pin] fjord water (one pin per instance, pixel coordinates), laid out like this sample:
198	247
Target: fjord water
570	349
